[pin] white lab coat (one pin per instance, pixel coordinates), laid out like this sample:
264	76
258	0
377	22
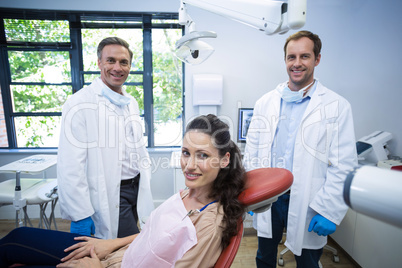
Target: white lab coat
90	158
325	150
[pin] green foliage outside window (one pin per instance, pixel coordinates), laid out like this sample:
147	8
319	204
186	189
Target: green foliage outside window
167	76
42	72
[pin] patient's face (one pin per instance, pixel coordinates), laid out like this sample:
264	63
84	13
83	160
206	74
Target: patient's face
200	160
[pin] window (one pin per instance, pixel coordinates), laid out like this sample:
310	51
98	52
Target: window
47	56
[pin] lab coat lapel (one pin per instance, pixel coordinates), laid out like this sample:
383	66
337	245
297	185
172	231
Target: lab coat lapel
276	107
315	100
311	121
272	114
275	112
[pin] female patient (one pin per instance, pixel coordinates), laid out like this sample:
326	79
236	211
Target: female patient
190	229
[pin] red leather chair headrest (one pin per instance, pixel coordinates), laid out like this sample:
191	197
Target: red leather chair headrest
265	183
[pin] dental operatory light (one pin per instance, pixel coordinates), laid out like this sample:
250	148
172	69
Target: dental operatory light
266	15
193	51
189	48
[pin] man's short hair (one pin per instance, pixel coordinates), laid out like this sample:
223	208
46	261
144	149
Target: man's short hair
113	41
313	37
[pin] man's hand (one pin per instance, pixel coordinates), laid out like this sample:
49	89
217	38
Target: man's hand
83	227
321	225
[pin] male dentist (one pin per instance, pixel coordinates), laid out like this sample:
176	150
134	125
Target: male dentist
103	166
308	129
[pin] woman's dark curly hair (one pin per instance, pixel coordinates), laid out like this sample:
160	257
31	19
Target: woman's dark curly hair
231	179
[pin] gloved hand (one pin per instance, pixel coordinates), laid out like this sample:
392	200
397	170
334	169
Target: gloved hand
321	225
250	212
83	227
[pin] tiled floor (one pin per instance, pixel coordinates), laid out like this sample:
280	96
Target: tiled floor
246	256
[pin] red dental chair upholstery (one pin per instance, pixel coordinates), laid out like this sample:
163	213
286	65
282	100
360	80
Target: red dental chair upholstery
263	187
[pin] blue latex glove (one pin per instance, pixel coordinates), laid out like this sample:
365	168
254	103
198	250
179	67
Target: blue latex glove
321	225
83	227
251	213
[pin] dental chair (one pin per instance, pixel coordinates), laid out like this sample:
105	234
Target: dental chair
263	187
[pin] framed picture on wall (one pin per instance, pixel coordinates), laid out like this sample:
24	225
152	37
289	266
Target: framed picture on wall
245	115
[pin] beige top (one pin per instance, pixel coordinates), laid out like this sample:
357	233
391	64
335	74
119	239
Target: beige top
209	235
205	253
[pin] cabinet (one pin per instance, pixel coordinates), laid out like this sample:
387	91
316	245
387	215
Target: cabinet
370	242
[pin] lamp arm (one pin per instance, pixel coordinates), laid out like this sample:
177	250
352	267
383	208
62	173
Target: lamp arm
185	19
269	16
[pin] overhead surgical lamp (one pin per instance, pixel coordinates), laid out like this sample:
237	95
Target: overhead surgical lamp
269	16
193	51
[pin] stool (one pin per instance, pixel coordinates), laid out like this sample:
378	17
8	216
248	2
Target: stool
33	192
23	192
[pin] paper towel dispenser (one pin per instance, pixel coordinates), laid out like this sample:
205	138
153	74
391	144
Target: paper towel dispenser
207	89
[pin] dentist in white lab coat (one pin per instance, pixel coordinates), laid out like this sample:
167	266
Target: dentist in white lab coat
102	149
308	129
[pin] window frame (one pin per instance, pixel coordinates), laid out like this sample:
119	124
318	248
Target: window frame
74	47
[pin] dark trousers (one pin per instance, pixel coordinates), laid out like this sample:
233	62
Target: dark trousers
128	217
268	247
34	247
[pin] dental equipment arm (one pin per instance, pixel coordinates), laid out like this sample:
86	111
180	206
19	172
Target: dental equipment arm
375	192
269	16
